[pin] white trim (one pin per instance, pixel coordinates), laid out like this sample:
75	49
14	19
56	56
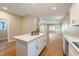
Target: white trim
8	30
11	40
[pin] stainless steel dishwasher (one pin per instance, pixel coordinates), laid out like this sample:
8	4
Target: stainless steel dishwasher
66	47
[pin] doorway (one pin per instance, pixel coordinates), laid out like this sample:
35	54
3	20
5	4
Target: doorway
55	42
52	30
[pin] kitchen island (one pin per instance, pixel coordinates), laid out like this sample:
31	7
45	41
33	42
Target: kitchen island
30	45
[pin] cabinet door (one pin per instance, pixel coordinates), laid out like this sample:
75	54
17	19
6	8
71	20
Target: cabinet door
45	40
72	51
33	48
40	40
74	14
42	43
39	43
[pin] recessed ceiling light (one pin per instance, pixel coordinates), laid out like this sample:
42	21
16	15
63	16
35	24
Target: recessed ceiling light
54	8
5	8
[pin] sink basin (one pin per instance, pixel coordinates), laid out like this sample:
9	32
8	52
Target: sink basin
76	43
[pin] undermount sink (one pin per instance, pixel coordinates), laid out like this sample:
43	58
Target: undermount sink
76	43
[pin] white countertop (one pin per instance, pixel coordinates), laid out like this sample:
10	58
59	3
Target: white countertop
71	39
28	37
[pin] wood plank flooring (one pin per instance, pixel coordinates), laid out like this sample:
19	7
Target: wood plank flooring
53	48
8	49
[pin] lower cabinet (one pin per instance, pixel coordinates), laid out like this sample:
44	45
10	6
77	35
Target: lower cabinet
72	51
41	43
35	47
32	48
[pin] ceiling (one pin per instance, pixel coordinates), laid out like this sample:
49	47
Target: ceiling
43	10
36	9
50	19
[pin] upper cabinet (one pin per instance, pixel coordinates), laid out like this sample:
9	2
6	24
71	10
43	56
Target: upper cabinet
74	14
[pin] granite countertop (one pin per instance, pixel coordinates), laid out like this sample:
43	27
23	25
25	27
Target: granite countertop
28	37
72	39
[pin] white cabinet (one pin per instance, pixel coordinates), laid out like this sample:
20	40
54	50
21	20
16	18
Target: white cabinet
72	51
74	14
31	48
42	43
35	47
21	49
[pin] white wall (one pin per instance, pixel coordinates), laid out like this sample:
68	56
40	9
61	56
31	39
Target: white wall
68	29
28	24
15	25
18	25
66	24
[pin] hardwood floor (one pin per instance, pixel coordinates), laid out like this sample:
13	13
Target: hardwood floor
53	48
8	49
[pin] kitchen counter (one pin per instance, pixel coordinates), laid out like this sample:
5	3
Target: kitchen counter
28	37
30	45
72	39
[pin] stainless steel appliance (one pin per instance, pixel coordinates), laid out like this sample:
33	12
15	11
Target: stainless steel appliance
66	47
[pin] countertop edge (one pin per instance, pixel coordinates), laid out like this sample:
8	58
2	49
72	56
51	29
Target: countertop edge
27	41
70	41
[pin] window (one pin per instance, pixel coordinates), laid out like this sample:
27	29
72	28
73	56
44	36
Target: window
2	25
55	28
42	28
